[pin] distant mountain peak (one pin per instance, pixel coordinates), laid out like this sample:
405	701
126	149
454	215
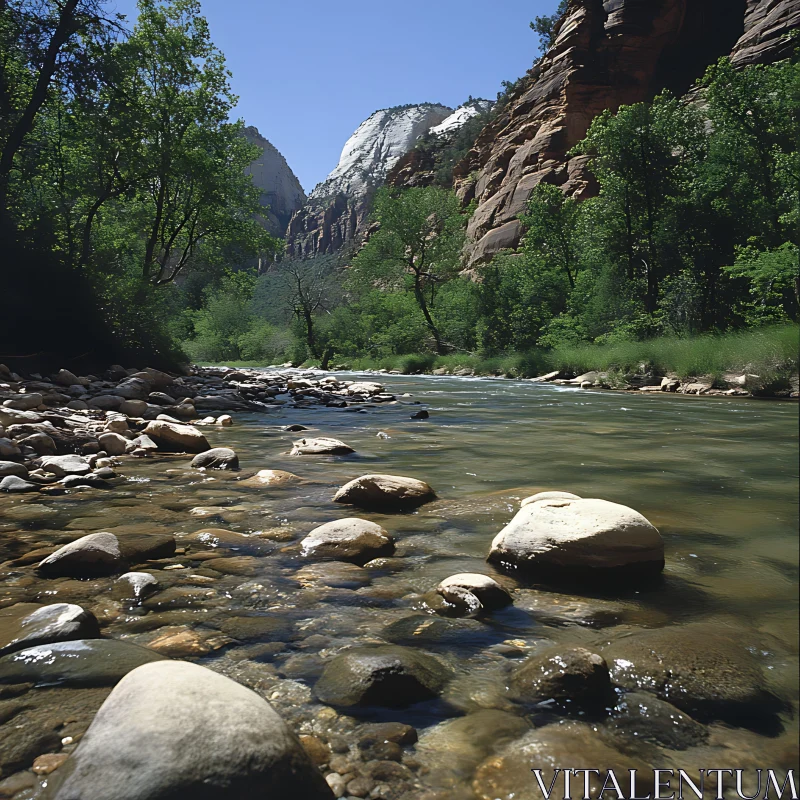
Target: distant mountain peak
376	146
281	192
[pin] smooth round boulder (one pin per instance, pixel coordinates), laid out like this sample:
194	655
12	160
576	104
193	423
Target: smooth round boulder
320	447
225	420
24	402
382	675
364	387
216	458
703	669
572	677
41	443
106	402
173	437
385	492
79	662
177	730
66	378
567	539
474	592
133	408
27	624
71	464
352	539
102	553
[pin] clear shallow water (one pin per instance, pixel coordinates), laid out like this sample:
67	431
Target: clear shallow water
718	477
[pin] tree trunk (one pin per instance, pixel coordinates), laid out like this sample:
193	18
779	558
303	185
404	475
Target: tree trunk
420	295
64	30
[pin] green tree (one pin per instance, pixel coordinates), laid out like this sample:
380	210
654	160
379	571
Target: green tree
194	191
545	26
416	248
645	157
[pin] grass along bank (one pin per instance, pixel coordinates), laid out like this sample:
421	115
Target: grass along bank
770	353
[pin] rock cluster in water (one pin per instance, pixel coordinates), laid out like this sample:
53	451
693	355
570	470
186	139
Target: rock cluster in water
63	432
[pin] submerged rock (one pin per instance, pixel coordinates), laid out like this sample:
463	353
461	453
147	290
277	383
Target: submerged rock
423	630
572	745
216	458
104	553
28	624
644	716
175	729
382	675
701	668
565	538
574	677
320	446
79	662
385	492
351	539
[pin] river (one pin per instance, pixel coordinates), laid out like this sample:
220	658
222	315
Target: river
717	477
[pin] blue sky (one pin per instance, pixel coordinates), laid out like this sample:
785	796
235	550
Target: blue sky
308	72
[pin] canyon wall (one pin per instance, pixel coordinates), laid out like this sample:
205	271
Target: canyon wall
606	53
281	192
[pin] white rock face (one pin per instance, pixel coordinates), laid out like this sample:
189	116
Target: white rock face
281	192
460	116
376	146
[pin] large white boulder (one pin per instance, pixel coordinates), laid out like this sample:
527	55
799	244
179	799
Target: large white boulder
558	536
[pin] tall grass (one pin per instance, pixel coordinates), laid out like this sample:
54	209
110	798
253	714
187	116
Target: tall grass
766	352
762	351
770	353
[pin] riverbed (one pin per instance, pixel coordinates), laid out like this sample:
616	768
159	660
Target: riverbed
718	477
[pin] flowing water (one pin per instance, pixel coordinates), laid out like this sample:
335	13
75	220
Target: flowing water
718	477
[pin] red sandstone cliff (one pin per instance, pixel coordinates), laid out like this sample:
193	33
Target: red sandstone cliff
606	54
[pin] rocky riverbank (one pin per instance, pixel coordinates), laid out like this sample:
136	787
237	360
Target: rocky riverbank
62	431
730	385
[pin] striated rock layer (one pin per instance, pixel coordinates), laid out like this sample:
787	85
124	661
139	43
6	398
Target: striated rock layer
606	53
338	207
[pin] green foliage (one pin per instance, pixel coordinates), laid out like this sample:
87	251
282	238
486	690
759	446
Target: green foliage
774	283
415	251
119	166
545	26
